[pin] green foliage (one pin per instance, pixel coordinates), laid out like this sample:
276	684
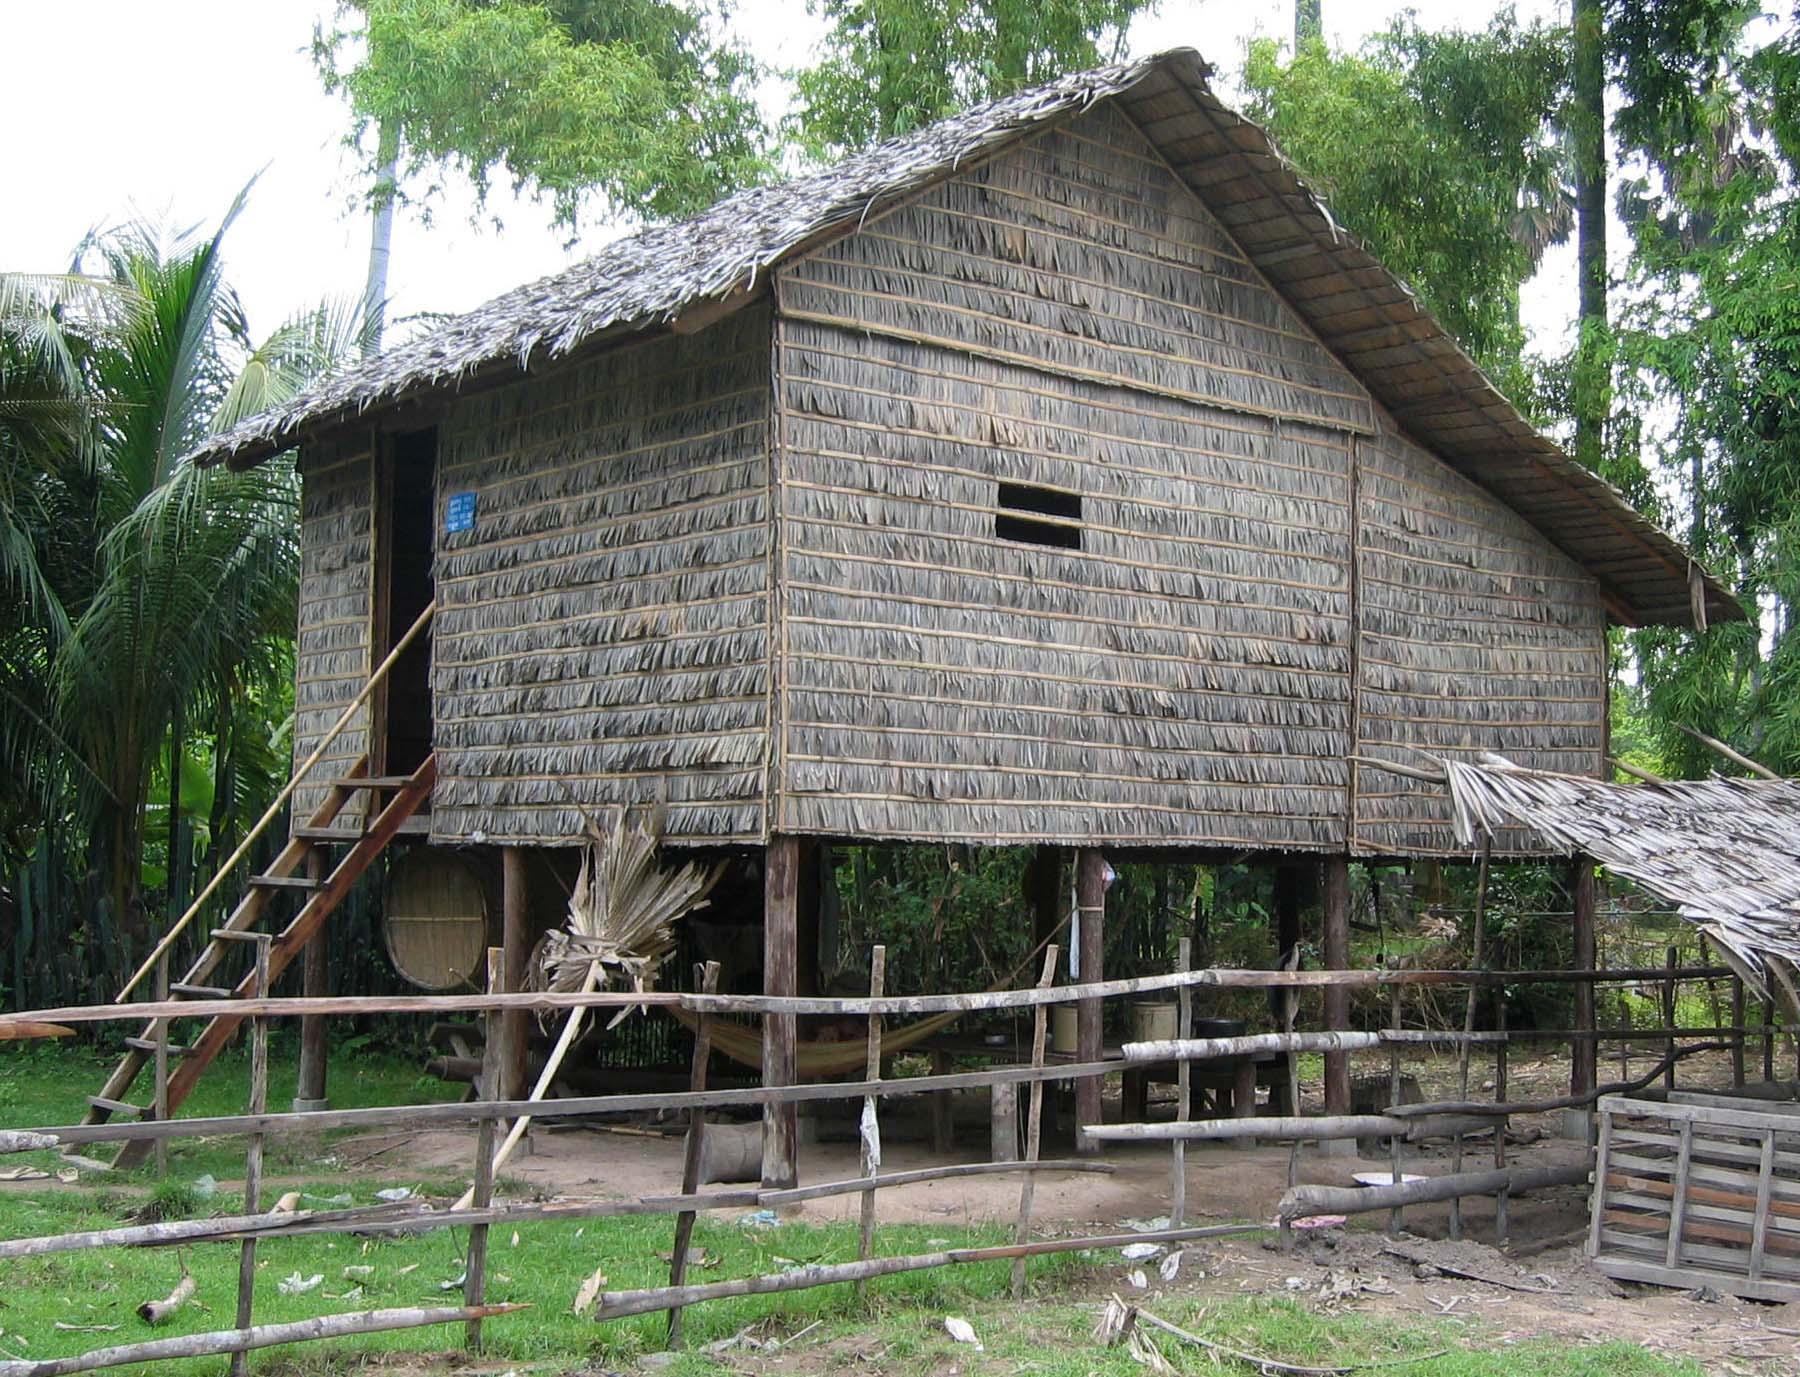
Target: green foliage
154	592
891	66
1440	151
1710	339
638	101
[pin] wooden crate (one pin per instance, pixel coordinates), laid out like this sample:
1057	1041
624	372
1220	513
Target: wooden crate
1699	1190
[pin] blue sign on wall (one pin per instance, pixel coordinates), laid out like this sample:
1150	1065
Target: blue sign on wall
460	513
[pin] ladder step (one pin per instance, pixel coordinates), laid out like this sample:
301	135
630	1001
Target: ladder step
149	1045
388	782
117	1106
241	935
285	882
327	834
181	987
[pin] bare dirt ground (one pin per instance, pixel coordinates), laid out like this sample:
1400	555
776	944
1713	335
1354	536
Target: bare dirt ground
1535	1285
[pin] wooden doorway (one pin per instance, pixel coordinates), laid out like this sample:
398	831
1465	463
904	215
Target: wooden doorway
405	520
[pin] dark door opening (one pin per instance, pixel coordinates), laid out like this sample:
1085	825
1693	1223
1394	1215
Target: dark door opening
406	507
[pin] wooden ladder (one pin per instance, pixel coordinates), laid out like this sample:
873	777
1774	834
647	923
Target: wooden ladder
405	794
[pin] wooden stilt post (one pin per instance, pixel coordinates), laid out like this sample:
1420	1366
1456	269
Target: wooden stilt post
1090	903
310	1092
1034	1122
781	1124
1464	1051
1584	1065
1501	1197
708	981
253	1151
870	1135
515	946
1184	956
494	1057
1395	1174
1337	997
1287	943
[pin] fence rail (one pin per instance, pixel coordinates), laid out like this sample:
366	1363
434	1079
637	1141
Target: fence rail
1401	1123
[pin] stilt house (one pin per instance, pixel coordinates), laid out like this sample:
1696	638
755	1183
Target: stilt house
1061	473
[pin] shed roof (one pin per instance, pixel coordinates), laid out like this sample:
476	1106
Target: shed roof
1725	852
1359	309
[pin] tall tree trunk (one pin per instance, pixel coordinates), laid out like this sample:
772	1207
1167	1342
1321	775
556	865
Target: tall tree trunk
381	235
1593	379
1309	23
175	885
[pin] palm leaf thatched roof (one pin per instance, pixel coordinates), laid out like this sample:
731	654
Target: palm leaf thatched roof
1725	852
683	274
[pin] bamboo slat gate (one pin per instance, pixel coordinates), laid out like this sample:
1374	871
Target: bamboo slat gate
1699	1190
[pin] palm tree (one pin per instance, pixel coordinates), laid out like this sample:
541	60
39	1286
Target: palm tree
174	600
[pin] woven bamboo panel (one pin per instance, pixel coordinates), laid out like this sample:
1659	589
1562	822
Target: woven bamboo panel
1081	252
331	661
1702	1191
602	632
1184	676
1474	634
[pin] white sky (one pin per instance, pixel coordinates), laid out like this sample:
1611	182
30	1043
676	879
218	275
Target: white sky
166	108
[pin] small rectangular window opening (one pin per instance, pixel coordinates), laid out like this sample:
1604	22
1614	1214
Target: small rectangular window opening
1039	516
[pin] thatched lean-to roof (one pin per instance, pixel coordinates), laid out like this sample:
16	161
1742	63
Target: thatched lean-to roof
1725	852
683	273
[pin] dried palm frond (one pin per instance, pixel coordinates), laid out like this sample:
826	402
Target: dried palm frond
1725	852
623	910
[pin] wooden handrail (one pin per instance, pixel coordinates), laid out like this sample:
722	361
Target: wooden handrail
281	799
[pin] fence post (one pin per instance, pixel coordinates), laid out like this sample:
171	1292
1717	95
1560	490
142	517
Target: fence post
870	1135
1034	1121
695	1153
493	1060
1184	955
253	1151
1671	963
1737	1032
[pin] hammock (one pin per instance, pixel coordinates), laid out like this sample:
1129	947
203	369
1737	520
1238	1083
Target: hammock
815	1059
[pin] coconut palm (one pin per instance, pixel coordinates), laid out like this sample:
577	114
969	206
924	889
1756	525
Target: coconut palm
174	600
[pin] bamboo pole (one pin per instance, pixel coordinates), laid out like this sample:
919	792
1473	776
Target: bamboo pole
537	1001
1735	757
695	1152
571	1029
615	1305
870	1135
1034	1125
1304	1200
1297	1129
274	809
1249	1044
494	1061
241	1340
253	1153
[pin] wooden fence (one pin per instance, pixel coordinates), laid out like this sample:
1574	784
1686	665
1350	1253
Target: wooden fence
1400	1123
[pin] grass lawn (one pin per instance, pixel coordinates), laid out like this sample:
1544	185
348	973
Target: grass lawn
900	1331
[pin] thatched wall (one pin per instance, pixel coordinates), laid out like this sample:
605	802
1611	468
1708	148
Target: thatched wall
332	651
1476	634
602	632
1080	252
1184	676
